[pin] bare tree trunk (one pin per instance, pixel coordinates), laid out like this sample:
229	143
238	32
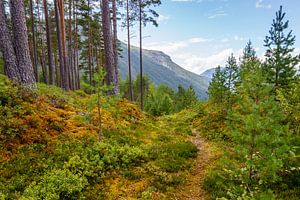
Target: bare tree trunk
6	46
108	47
59	41
57	69
115	39
34	46
129	56
70	63
42	57
21	42
49	44
63	43
89	45
76	66
141	58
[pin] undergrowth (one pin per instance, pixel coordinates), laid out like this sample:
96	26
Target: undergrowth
49	147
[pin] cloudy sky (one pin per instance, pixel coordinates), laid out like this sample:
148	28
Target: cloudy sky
201	34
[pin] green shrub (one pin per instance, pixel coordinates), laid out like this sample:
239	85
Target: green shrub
57	184
164	180
173	157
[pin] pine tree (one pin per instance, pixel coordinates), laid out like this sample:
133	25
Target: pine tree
7	49
21	43
34	43
108	46
129	50
249	54
217	90
249	61
232	76
49	43
280	63
261	139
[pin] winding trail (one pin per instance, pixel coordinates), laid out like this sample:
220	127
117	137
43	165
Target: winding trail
193	188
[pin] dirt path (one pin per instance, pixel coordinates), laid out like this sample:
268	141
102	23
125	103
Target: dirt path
193	189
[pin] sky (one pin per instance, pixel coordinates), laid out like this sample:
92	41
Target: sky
201	34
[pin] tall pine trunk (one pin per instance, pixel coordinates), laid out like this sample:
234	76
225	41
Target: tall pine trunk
63	43
129	53
108	48
115	38
34	45
70	56
141	57
21	42
42	56
7	49
75	57
49	44
89	44
59	41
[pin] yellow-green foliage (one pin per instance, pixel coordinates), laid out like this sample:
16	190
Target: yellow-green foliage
49	147
211	122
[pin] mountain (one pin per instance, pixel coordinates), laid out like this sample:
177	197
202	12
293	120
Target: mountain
161	69
209	73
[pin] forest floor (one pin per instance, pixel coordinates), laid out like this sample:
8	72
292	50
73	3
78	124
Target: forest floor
193	188
139	156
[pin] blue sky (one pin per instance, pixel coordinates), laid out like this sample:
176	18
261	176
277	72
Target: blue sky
201	34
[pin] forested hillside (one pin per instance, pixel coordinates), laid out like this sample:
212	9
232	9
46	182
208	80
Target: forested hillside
162	70
86	116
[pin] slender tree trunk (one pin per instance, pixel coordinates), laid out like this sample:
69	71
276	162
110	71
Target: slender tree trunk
115	39
49	44
70	63
141	58
89	45
63	43
129	53
21	43
34	46
76	66
7	49
59	41
108	47
57	69
42	56
92	61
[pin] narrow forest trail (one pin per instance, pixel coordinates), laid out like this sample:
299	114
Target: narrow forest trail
193	188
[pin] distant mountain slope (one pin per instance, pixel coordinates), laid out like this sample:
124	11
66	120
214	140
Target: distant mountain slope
209	73
161	69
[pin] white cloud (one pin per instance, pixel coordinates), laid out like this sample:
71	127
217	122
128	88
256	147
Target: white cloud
166	47
199	64
296	51
261	4
162	19
238	38
224	40
218	14
198	40
171	47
